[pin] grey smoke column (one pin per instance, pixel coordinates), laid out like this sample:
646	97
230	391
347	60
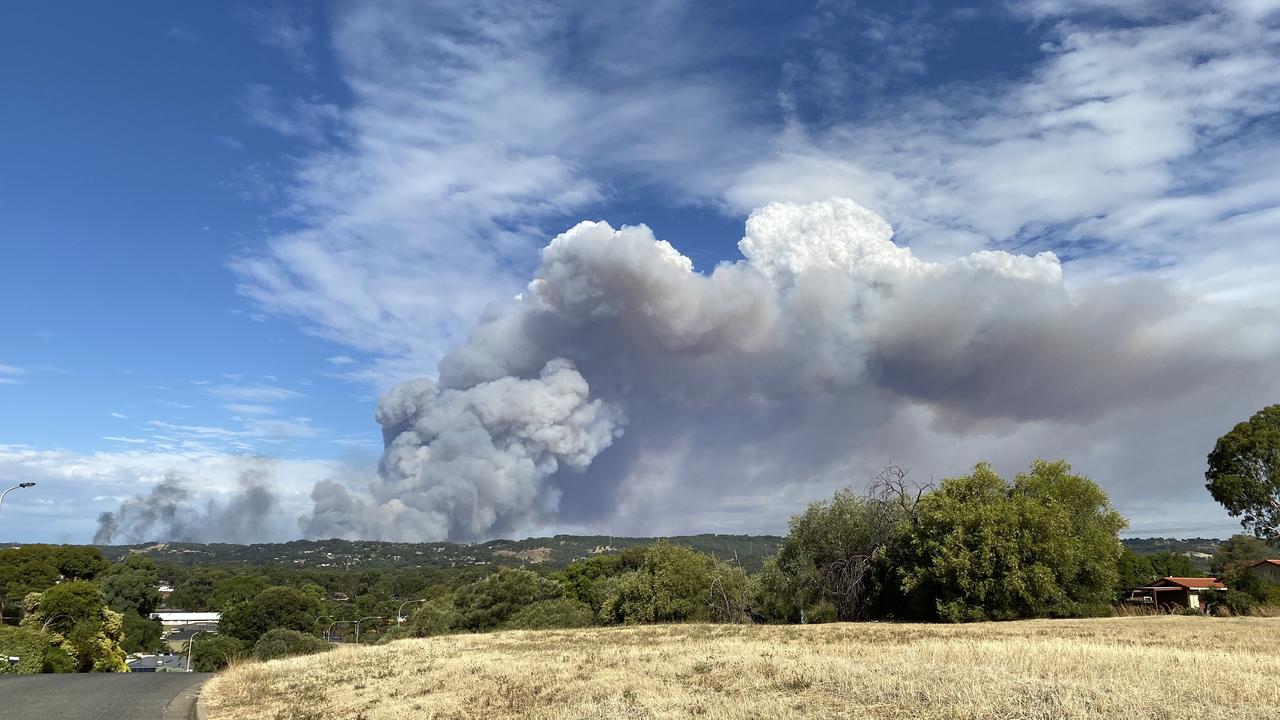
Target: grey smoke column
623	383
166	513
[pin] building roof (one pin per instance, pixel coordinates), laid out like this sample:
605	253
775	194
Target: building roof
1202	583
1265	562
186	617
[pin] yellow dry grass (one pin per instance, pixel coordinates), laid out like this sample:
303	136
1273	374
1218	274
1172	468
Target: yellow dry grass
1132	668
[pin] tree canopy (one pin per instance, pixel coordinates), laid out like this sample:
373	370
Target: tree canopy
1244	472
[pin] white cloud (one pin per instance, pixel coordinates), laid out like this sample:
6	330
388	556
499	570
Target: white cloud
119	416
123	439
254	393
11	374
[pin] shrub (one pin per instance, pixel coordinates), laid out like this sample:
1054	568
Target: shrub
548	614
31	646
434	618
488	603
212	653
822	612
283	642
673	584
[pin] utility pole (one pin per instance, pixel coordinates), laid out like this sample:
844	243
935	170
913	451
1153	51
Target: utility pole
19	486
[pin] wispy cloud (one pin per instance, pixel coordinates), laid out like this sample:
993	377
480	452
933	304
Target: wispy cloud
285	29
123	439
253	393
11	374
119	415
183	33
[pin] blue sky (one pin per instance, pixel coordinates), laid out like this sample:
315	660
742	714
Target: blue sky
226	229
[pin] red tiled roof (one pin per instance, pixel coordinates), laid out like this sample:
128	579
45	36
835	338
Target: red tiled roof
1193	583
1265	562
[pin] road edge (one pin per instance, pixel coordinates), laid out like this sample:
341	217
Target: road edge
186	704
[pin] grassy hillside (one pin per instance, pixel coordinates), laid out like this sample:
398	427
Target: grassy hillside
1150	667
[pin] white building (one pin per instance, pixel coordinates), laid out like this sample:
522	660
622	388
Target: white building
186	618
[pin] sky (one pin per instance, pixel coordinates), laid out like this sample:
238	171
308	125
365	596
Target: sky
227	230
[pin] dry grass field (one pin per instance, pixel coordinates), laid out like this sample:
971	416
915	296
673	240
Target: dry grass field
1132	668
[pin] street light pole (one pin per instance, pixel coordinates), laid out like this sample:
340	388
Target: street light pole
318	619
191	646
399	616
328	634
371	617
15	487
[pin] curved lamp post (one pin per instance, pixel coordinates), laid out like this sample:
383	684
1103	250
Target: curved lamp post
400	611
328	634
313	622
191	646
371	617
19	486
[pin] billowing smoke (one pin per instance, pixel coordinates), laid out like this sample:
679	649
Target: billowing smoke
168	514
623	375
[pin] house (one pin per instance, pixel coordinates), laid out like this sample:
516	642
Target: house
1175	592
177	638
1266	570
156	663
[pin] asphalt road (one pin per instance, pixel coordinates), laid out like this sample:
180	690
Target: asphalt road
100	696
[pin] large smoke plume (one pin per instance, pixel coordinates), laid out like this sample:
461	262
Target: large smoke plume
623	374
167	513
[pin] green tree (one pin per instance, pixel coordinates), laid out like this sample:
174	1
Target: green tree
672	584
550	614
283	642
236	589
1043	546
81	624
436	617
35	651
274	607
195	594
837	552
81	562
140	634
130	586
211	653
1244	472
583	580
488	603
1239	551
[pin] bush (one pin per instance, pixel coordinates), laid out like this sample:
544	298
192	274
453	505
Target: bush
283	642
488	603
548	614
673	584
822	612
1239	603
434	618
212	653
32	646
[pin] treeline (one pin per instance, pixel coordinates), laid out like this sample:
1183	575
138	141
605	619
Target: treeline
1043	544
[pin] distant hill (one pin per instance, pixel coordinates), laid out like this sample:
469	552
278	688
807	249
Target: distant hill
553	552
749	550
1150	546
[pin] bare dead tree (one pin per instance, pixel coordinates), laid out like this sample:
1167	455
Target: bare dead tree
891	498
